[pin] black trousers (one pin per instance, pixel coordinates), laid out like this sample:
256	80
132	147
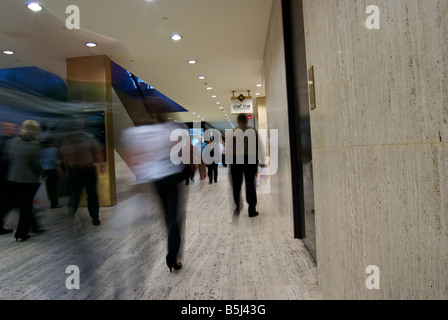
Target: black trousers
168	190
20	195
224	163
212	172
249	172
80	177
51	186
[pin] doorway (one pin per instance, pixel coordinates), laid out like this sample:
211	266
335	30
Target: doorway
299	123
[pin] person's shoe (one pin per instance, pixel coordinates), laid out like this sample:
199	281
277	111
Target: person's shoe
253	214
22	238
237	210
56	206
210	182
5	231
96	222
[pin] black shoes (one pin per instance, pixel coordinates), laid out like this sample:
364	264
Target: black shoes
23	238
96	222
56	206
253	214
176	266
5	231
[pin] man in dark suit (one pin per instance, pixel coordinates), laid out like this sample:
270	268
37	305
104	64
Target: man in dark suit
245	164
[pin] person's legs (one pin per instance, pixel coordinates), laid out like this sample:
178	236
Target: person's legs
210	173
236	173
250	171
9	195
92	195
168	190
51	186
215	172
75	181
27	192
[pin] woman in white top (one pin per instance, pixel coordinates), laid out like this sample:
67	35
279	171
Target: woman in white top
148	149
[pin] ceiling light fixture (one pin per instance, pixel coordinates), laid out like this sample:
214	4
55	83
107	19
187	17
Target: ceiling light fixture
259	85
193	112
34	6
209	88
214	96
176	37
257	94
91	44
192	61
221	107
218	102
202	77
8	52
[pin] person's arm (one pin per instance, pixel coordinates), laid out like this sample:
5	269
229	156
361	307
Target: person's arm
101	161
35	159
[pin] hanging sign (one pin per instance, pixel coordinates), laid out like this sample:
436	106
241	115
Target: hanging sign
242	105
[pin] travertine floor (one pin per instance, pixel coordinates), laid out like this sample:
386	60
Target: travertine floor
225	257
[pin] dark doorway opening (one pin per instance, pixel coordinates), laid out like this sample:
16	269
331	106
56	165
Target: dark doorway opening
299	123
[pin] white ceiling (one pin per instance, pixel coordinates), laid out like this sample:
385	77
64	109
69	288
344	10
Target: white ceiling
226	37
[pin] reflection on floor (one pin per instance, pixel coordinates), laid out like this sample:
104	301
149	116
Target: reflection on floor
225	257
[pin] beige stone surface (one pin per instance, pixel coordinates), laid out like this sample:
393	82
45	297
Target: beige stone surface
379	138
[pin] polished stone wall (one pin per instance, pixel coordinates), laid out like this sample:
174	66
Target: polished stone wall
379	143
277	112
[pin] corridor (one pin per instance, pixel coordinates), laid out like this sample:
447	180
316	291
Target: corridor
226	257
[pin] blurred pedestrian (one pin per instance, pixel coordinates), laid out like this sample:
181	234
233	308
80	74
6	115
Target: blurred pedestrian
23	177
148	150
50	162
212	167
200	146
223	153
80	150
7	131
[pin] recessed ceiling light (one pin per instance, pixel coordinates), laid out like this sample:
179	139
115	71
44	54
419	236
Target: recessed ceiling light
193	112
214	96
192	61
257	94
34	6
259	85
202	119
91	44
176	37
201	77
226	114
218	102
221	107
199	116
209	88
7	52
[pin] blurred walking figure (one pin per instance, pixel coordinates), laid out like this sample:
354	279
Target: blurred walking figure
242	167
80	150
213	167
23	178
50	162
148	149
190	170
200	146
223	153
7	132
